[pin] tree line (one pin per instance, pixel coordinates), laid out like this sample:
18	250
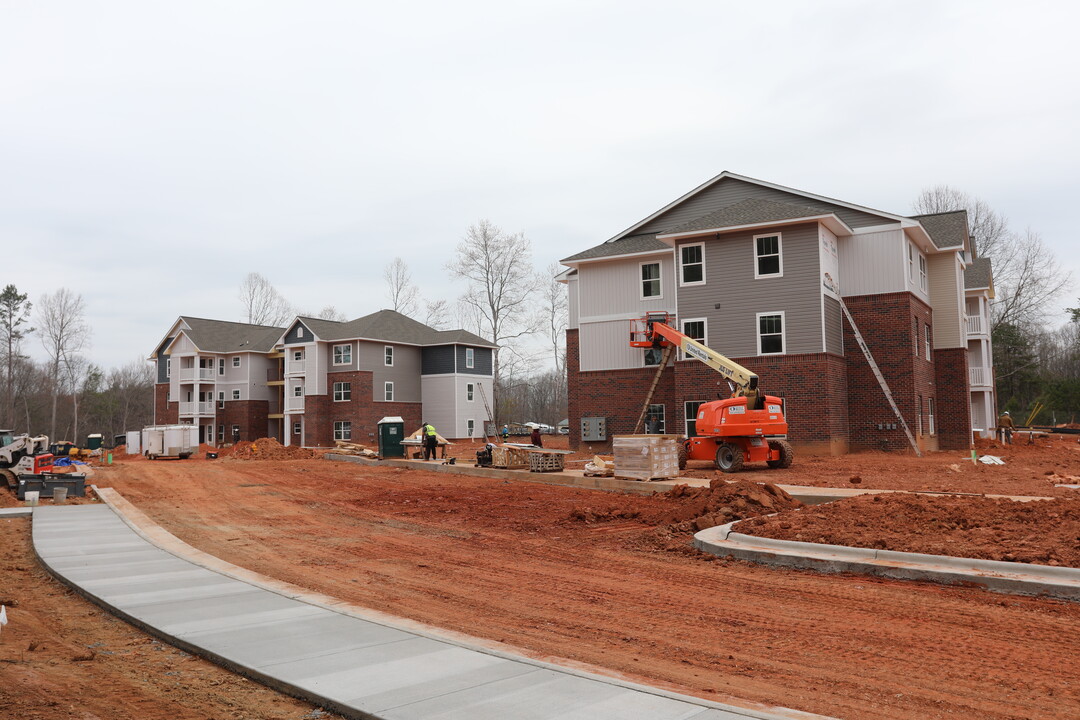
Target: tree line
66	396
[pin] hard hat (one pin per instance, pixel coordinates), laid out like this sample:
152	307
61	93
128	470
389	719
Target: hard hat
1005	413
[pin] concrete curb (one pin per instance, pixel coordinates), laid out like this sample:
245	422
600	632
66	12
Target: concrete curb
1004	577
16	512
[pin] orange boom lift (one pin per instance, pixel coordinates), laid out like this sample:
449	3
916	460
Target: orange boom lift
747	427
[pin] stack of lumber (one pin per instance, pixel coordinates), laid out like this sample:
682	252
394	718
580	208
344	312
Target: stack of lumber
347	448
600	466
644	457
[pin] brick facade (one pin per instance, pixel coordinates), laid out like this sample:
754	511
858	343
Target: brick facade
321	411
953	416
250	415
165	412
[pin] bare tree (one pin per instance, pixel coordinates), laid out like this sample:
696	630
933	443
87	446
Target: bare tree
14	312
554	318
437	314
263	304
404	296
1026	274
332	313
64	334
501	283
75	374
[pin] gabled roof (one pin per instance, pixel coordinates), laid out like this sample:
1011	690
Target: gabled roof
754	212
391	326
946	229
978	275
632	245
220	336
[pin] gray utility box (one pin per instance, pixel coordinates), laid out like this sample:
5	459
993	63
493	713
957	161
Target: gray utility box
75	484
594	429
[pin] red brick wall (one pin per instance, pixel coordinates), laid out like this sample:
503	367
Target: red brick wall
321	412
887	325
165	413
250	415
953	411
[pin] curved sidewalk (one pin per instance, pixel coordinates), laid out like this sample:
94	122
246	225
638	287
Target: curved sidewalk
1015	578
337	657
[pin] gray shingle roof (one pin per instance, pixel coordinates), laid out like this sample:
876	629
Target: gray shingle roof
752	211
979	274
625	246
221	336
391	326
947	229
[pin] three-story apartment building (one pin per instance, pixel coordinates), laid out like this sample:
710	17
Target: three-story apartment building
758	272
317	381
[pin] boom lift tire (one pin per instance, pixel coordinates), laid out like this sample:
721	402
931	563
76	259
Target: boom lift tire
683	453
729	458
786	454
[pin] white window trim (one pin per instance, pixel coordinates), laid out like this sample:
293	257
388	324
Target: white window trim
779	253
470	392
235	394
333	354
341	391
391	355
911	263
931	420
221	399
923	270
929	341
221	366
644	351
470	426
296	428
783	331
916	337
659	280
298	391
683	283
682	327
236	361
299	331
300	353
470	358
388	389
663	414
339	430
168	367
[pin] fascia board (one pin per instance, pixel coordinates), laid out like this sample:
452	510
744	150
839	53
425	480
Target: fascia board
830	221
574	263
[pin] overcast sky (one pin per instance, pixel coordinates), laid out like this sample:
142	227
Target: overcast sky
154	153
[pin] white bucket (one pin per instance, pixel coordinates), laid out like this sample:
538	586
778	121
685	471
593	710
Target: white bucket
59	495
31	497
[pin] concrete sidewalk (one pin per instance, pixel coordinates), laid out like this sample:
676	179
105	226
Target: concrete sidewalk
331	656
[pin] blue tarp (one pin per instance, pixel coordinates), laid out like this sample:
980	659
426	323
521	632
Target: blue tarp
66	462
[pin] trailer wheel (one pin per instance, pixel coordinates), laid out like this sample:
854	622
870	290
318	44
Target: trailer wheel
729	458
786	454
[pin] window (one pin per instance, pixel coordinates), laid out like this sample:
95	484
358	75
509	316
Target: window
235	432
236	361
296	428
299	334
343	354
168	367
221	401
929	342
235	394
692	264
342	430
930	415
342	392
469	392
388	355
695	330
298	355
470	358
653	356
916	320
918	417
168	395
922	272
298	391
770	333
650	280
221	366
692	407
470	425
654	420
221	433
911	263
768	262
388	391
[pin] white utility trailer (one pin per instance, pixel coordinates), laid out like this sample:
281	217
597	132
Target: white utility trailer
170	441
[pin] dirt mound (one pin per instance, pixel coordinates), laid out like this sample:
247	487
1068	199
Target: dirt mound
722	502
1044	532
266	449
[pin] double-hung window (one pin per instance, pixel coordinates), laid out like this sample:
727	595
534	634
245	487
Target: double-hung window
692	264
342	430
911	263
768	256
221	401
470	358
221	366
930	416
692	407
388	355
235	394
770	333
236	361
650	281
342	392
695	330
654	420
343	354
916	321
388	391
469	387
929	342
922	272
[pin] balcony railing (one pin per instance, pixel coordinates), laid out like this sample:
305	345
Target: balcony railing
294	404
294	367
980	376
191	409
189	374
975	325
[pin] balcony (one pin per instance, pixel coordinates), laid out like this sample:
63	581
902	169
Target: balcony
274	376
294	367
976	325
196	409
980	377
294	404
191	374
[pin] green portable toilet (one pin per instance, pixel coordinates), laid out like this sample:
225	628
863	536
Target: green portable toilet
94	441
391	433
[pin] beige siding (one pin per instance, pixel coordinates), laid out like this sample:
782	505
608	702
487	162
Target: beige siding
606	346
873	263
572	303
610	289
316	360
947	300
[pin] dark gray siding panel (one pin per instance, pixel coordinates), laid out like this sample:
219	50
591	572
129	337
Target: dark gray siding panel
293	337
437	360
834	326
730	191
481	361
162	361
732	297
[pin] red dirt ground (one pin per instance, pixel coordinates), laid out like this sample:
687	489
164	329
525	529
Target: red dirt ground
1044	532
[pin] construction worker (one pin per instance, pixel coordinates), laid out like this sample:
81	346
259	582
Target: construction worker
1005	427
536	437
430	439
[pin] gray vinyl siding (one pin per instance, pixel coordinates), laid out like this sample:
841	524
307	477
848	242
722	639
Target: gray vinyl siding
162	360
293	338
404	373
481	361
729	269
437	360
614	287
834	326
730	191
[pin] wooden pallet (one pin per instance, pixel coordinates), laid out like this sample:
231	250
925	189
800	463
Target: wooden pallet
509	458
545	462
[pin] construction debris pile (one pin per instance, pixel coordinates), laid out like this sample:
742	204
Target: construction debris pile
600	466
722	502
267	449
1043	532
342	447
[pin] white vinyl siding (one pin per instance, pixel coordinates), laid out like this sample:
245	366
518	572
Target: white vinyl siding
872	263
692	264
768	256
